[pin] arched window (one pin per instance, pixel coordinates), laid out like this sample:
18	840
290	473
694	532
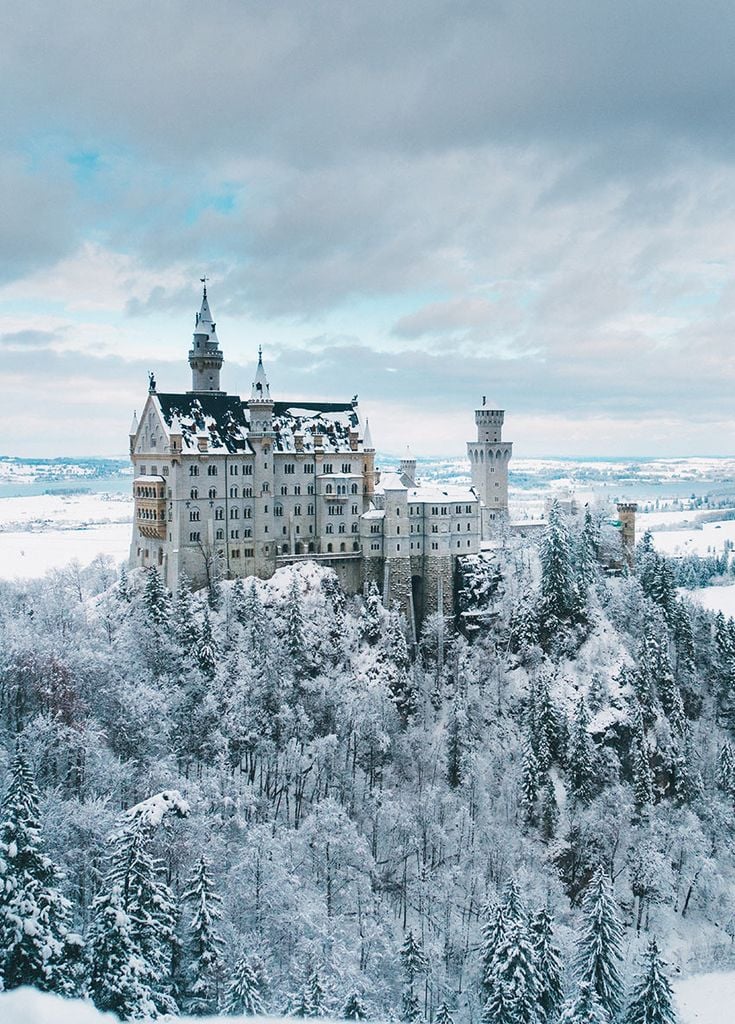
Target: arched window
212	492
211	471
234	513
330	528
220	535
355	528
343	546
219	513
329	549
355	546
194	515
354	488
328	489
194	493
193	470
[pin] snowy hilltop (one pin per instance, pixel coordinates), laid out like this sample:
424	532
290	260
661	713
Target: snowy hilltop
265	799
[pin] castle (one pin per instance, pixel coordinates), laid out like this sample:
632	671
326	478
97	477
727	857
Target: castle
226	487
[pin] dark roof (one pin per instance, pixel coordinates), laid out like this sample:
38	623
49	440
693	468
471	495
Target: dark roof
222	416
283	408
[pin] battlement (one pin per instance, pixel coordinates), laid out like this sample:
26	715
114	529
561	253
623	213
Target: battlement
484	417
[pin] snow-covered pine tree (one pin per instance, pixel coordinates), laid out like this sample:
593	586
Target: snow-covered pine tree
642	776
457	743
117	982
587	564
206	650
652	1001
598	953
372	621
513	905
413	964
499	1007
494	929
205	966
726	769
256	626
516	977
34	915
187	628
443	1015
294	619
156	599
559	590
550	990
354	1008
238	601
149	903
549	811
124	591
244	994
585	1008
530	782
581	756
311	1003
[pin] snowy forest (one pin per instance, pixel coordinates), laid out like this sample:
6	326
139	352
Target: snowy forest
266	798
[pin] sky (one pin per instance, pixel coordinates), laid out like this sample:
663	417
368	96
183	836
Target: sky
419	202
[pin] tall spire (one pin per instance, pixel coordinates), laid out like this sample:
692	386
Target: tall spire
367	441
260	391
205	356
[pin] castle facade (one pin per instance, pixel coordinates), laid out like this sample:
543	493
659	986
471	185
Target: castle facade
226	487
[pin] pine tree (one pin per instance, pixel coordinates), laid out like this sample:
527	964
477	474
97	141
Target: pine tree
598	953
238	601
642	777
413	964
372	623
516	977
493	935
117	982
311	1003
726	770
148	902
34	916
587	558
513	906
558	586
244	993
652	1001
206	650
499	1008
457	744
187	629
256	626
354	1008
548	963
581	756
549	813
530	782
124	592
156	599
443	1016
585	1008
295	634
206	942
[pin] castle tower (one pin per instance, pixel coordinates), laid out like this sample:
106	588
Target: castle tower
626	517
407	472
489	457
261	438
205	355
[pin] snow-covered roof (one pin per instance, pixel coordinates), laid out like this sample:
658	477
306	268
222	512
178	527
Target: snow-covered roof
390	482
374	513
436	492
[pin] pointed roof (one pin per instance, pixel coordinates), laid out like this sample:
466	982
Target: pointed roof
134	425
204	316
261	391
367	441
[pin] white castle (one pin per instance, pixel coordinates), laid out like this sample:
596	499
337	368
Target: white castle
225	487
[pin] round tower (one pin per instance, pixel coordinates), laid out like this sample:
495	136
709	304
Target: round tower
489	459
205	355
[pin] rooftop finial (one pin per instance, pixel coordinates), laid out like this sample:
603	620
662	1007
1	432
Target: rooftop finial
204	282
260	355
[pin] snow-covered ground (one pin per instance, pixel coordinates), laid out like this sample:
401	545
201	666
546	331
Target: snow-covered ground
700	999
714	599
47	531
710	539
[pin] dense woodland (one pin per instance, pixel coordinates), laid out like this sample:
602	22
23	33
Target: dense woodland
267	798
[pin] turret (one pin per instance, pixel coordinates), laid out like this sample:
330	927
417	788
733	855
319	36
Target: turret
260	405
205	356
133	432
626	518
489	457
408	469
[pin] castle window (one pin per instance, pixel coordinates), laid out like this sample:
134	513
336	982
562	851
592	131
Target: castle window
266	488
284	490
248	552
375	528
288	468
308	467
310	489
355	527
233	492
398	511
327	468
247	469
234	469
328	489
341	528
247	513
285	530
247	532
353	489
343	547
444	510
195	536
458	509
398	547
220	535
468	543
278	510
164	470
219	513
211	471
234	513
194	515
434	546
435	510
355	546
142	470
346	467
329	549
193	470
234	534
468	509
354	510
310	510
398	529
329	528
375	547
212	492
434	528
458	543
297	489
469	526
265	508
297	510
235	553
